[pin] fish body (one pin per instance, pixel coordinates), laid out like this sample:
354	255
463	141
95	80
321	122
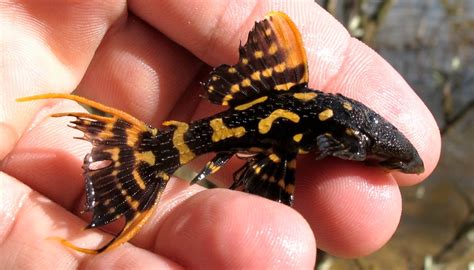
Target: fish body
272	117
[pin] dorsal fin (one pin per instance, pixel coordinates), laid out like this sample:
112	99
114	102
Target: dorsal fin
273	59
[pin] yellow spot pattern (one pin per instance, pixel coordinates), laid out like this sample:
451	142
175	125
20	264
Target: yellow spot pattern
251	103
268	32
298	137
257	169
222	132
164	176
305	96
225	102
347	106
280	67
302	151
325	115
213	167
274	158
107	133
267	72
246	83
258	54
255	76
147	156
114	152
273	49
185	154
235	88
132	137
133	203
284	86
138	179
265	124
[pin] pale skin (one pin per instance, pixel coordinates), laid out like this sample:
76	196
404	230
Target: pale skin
134	63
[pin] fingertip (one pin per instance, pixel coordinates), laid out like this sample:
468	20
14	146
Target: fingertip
227	229
20	241
353	209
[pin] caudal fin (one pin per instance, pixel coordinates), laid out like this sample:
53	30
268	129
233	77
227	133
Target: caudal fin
121	176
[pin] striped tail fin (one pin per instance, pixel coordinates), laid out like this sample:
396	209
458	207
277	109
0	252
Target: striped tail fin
121	175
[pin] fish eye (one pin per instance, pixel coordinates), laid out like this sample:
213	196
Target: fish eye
373	119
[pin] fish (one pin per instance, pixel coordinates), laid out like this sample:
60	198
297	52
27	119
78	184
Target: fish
271	117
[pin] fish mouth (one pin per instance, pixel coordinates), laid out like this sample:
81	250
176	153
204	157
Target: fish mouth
413	166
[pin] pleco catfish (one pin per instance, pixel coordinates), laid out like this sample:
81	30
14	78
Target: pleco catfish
272	117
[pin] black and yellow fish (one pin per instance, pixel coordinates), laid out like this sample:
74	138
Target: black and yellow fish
272	117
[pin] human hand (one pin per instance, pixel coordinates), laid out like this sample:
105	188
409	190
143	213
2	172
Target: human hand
348	208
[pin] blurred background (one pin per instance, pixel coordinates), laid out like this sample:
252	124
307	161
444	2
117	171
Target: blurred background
431	43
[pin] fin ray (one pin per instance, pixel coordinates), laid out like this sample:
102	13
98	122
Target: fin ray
269	176
273	59
213	166
121	177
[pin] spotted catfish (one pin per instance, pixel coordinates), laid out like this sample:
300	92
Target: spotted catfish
272	117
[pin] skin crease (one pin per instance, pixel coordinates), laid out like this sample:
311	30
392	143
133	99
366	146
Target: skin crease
133	62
